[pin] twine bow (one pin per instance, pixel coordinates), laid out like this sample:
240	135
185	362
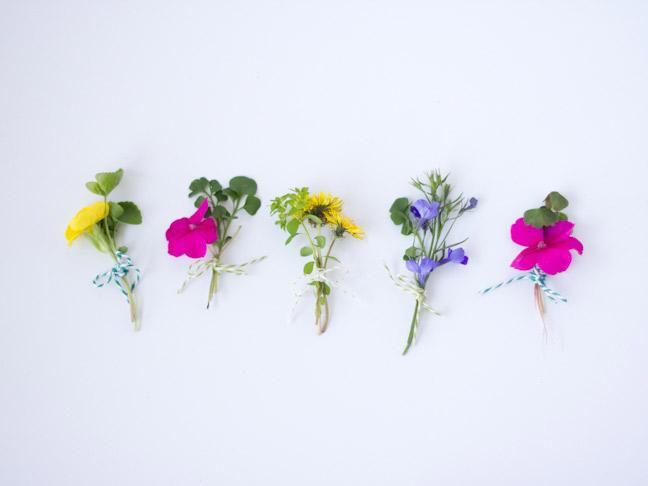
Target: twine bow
319	275
536	276
406	284
199	267
119	271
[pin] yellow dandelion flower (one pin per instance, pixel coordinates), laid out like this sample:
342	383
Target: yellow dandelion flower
84	220
324	206
343	224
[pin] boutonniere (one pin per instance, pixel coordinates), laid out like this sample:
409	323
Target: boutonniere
100	223
429	222
209	228
318	220
547	235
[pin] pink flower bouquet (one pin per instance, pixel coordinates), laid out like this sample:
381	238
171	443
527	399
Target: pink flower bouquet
547	235
208	228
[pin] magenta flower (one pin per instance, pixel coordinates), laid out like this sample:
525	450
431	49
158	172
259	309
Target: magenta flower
190	236
548	247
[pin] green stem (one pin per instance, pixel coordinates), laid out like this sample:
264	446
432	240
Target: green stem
212	287
410	338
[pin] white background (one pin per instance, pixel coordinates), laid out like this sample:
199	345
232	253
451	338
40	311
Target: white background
515	99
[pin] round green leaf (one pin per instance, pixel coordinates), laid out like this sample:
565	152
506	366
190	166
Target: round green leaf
243	185
306	251
252	205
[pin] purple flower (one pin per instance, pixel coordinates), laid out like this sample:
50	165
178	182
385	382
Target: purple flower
455	256
473	203
422	270
423	211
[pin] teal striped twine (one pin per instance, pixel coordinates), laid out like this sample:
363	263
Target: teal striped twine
536	276
123	266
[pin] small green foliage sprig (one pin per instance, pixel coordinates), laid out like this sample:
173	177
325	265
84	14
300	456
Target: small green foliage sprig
549	214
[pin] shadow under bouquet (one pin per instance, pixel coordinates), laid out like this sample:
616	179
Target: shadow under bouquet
547	235
428	221
208	228
302	213
99	223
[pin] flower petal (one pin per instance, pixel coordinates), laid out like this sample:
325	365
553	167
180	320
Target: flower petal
554	260
427	265
72	235
412	266
570	243
177	247
525	235
178	229
198	216
558	232
89	216
208	231
195	246
526	260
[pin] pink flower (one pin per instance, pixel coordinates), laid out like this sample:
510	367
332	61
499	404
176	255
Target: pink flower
548	247
190	236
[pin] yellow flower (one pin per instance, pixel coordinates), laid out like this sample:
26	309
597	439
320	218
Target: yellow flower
84	220
324	206
343	224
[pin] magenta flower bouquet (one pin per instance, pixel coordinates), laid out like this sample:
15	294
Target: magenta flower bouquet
547	235
208	228
429	221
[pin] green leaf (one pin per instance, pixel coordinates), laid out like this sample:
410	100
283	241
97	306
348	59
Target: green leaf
326	289
320	241
123	249
198	186
306	251
231	193
556	201
131	213
252	205
214	186
562	216
313	218
199	201
115	210
293	226
540	217
399	210
95	188
109	180
330	257
219	212
411	253
290	238
243	185
220	197
308	268
407	228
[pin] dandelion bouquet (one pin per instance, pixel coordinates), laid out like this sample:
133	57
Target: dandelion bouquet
302	213
547	235
429	221
99	223
208	228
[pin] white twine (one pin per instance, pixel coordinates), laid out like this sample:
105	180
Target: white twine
319	275
199	267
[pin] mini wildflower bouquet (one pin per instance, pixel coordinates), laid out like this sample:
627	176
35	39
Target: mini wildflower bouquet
208	227
98	223
298	211
546	233
429	220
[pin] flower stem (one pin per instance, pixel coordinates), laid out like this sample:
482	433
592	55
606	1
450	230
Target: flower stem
410	338
539	301
212	287
133	305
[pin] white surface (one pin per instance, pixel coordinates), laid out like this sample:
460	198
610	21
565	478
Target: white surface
515	98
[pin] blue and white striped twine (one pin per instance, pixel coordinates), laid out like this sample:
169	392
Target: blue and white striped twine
536	276
118	271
